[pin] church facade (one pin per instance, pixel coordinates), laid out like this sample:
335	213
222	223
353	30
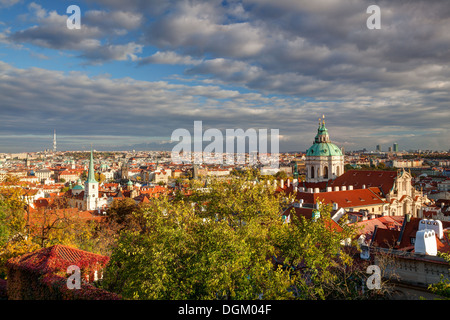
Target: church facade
386	192
88	197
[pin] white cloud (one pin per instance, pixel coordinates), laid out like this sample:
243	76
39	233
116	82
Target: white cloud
313	57
169	57
51	32
113	21
8	3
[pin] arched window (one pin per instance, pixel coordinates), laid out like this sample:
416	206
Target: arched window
312	172
325	172
338	171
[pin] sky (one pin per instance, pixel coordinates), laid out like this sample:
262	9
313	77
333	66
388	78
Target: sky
137	70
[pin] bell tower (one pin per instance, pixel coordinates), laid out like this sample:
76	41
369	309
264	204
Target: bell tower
91	187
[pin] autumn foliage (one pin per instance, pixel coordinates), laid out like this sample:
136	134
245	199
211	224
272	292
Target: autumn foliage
40	275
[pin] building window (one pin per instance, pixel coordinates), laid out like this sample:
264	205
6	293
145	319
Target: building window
412	240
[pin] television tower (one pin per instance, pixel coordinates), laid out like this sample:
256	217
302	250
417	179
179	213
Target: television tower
54	141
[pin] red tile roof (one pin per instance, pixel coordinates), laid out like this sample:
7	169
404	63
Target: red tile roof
344	199
368	226
407	233
385	238
57	258
350	198
357	178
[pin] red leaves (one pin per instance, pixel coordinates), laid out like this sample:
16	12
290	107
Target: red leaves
43	275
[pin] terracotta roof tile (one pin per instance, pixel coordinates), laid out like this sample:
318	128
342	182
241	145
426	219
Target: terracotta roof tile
357	178
56	258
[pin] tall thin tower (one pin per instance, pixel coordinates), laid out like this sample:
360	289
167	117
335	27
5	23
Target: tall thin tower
54	140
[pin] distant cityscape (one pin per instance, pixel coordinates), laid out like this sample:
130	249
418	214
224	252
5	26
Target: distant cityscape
169	150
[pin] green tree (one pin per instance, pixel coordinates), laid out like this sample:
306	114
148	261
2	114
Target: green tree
14	228
228	241
281	175
120	212
185	256
313	249
100	177
381	166
442	288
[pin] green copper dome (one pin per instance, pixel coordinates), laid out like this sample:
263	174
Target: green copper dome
324	149
322	145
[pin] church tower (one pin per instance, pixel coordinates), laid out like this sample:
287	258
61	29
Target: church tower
324	160
91	187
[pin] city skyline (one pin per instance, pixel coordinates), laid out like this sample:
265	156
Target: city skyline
137	71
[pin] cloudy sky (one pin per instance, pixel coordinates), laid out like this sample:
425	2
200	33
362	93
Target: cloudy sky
139	69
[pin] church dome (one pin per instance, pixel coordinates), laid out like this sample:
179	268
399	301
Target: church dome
322	145
324	149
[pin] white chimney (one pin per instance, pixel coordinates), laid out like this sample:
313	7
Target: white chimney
316	190
329	189
430	224
310	190
336	188
282	184
363	186
350	187
425	242
344	188
288	183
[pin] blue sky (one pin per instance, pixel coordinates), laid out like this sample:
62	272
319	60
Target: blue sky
138	70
